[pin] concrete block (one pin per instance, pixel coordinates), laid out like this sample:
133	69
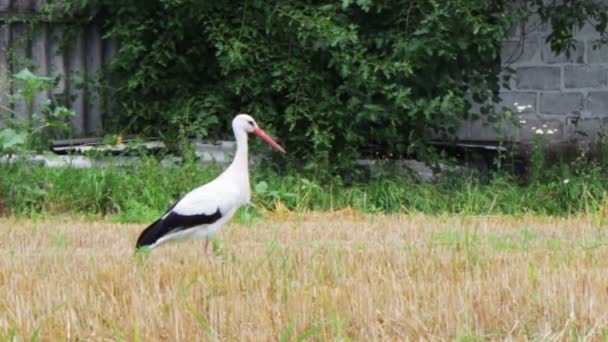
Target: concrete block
589	129
540	77
587	31
518	51
561	103
4	67
524	131
585	76
577	54
514	31
518	102
551	129
478	130
521	129
506	79
597	103
76	63
534	27
597	54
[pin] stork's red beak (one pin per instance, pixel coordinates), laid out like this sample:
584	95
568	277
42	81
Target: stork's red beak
260	133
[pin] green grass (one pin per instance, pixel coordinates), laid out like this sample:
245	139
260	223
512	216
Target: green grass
141	191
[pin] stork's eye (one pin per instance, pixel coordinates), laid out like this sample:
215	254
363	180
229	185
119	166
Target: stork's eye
251	123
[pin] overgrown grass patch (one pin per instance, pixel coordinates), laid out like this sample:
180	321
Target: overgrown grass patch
142	190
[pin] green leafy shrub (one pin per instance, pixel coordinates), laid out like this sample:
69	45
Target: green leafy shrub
333	79
22	135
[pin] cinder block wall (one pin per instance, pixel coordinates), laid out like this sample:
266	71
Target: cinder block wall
566	95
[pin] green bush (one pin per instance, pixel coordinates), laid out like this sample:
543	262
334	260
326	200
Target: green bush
332	79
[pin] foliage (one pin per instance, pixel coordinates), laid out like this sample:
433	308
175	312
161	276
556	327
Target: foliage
568	16
333	79
19	136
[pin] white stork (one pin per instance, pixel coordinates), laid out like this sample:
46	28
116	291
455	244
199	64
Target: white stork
204	210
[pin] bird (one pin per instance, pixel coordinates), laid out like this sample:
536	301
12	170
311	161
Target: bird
203	211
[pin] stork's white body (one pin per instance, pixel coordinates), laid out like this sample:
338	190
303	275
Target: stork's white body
204	211
197	232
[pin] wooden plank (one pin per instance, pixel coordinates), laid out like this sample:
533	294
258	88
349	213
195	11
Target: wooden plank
150	145
39	58
110	51
73	142
76	63
57	67
38	5
20	44
92	140
22	5
5	88
5	5
93	65
56	63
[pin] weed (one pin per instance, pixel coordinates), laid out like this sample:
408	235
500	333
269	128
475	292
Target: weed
202	323
554	244
60	243
504	242
142	252
533	279
248	215
518	242
455	238
590	243
19	136
286	333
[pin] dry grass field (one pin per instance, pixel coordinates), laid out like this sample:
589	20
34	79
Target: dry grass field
324	277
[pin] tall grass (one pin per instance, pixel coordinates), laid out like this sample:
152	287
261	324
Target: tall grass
139	190
144	189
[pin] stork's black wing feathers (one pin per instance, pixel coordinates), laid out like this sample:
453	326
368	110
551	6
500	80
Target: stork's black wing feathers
174	222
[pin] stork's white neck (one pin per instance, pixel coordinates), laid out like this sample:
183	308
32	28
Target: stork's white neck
240	164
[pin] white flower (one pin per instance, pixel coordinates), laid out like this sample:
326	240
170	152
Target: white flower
566	181
549	131
544	126
539	131
515	103
521	108
522	122
533	128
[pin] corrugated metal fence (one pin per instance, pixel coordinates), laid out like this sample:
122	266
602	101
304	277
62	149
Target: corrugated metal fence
72	68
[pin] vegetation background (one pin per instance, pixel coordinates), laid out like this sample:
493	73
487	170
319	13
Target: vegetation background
335	80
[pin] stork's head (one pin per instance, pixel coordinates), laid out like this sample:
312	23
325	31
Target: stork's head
246	123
